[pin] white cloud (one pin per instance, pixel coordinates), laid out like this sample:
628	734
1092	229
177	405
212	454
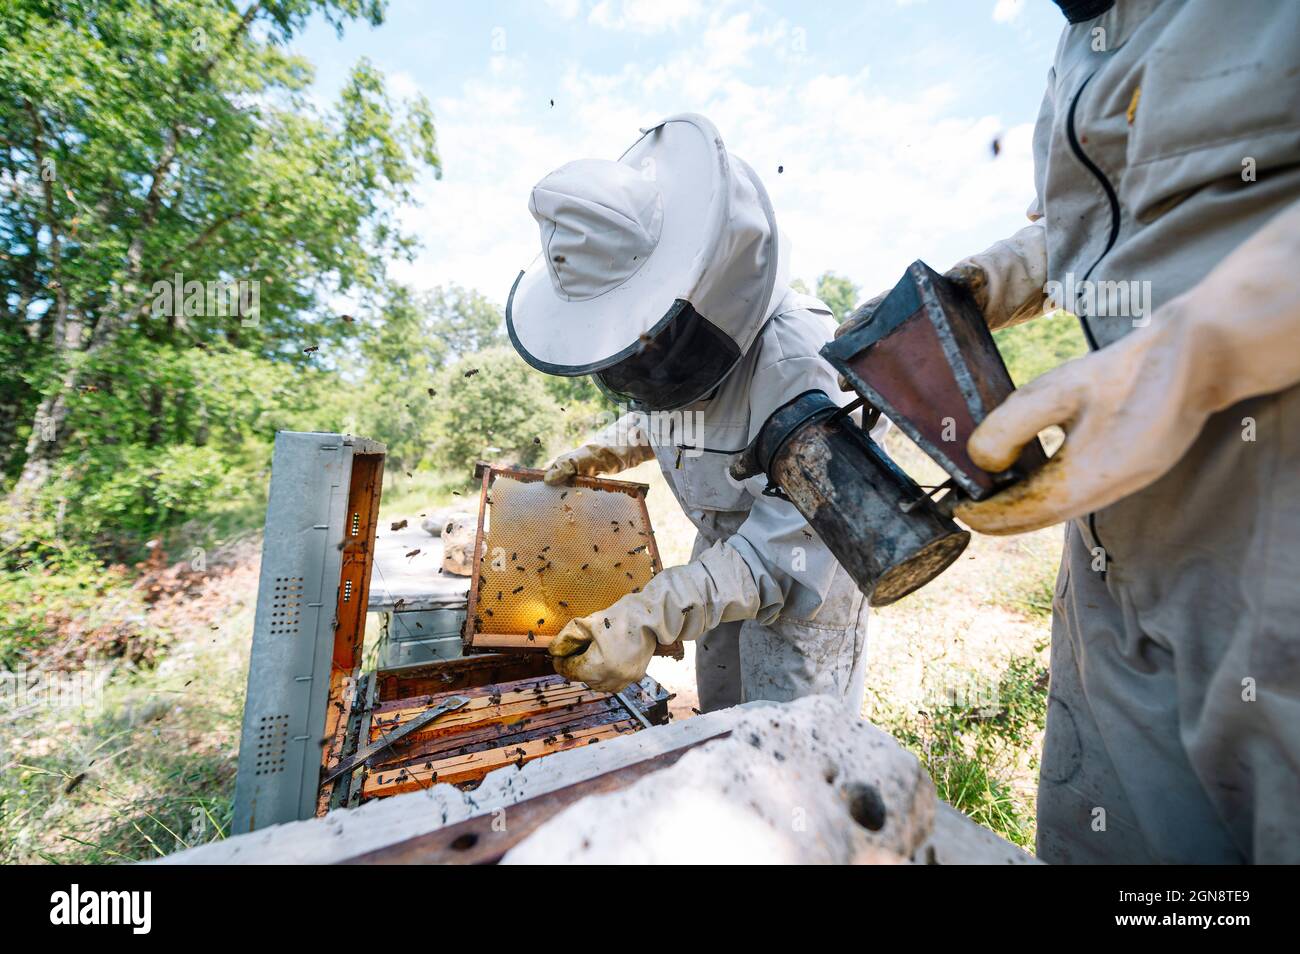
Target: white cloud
871	180
1006	11
644	16
567	9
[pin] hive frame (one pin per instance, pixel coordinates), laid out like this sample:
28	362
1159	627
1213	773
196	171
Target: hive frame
494	642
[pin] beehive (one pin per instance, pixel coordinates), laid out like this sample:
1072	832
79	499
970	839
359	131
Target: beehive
547	555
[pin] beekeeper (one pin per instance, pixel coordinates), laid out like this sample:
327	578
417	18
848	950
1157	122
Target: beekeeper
1167	160
663	276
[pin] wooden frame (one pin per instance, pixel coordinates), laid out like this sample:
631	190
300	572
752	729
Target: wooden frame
475	641
365	488
512	709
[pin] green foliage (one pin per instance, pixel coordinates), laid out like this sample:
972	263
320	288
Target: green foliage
413	339
973	752
168	432
838	293
493	405
835	291
1037	346
155	139
583	409
462	321
44	580
133	763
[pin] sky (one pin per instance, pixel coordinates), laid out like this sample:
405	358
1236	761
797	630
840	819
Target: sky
880	115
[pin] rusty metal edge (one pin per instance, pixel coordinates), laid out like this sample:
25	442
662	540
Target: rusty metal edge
475	841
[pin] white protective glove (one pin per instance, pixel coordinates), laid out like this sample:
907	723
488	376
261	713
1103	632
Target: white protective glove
1007	281
611	649
622	445
1132	409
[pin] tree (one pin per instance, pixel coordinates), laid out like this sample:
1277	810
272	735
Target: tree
151	142
838	293
492	405
416	336
463	321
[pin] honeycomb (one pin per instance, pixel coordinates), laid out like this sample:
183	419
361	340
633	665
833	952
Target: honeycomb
557	553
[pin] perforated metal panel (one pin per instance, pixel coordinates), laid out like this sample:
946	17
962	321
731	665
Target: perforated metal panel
319	530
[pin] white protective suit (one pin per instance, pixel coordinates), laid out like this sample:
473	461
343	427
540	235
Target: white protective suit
790	622
662	276
1167	161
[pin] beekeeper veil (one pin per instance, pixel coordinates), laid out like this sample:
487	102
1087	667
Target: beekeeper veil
657	272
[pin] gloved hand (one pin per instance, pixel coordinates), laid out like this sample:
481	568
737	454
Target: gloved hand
622	445
611	649
1132	409
1007	281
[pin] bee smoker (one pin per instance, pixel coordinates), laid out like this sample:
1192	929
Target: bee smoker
883	528
926	359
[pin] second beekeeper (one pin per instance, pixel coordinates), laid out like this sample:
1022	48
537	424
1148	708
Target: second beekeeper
662	275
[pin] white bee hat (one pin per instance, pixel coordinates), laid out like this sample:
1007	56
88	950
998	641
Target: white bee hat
657	271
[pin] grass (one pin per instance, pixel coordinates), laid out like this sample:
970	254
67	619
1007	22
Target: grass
424	490
957	670
981	748
143	763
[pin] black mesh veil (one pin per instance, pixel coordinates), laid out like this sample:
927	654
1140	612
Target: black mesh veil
681	361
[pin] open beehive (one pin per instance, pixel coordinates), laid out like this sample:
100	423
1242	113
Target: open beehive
322	733
547	555
505	710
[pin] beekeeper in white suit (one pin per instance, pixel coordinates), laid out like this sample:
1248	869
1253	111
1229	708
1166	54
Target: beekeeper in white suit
662	276
1167	156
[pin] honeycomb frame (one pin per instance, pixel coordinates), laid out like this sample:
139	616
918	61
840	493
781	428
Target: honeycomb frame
556	554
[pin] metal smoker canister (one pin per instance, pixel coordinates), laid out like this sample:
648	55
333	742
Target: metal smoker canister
884	530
